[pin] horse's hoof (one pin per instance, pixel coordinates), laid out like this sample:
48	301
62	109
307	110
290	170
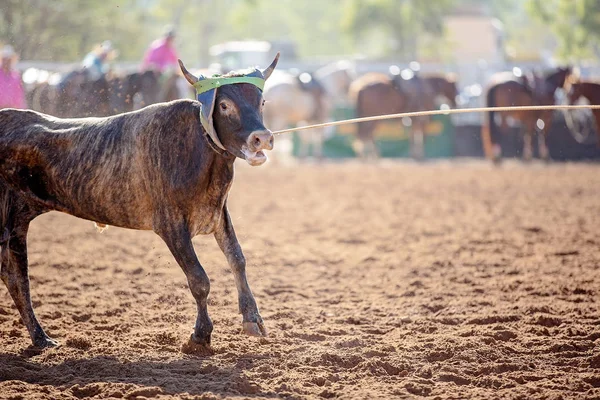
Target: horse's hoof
197	347
256	329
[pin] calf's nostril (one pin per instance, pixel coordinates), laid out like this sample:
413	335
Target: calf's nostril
257	141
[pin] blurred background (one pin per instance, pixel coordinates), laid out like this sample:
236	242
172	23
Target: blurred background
49	42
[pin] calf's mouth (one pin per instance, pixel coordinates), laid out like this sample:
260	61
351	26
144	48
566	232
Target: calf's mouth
254	158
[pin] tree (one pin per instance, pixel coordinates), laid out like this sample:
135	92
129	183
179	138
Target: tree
397	24
576	24
67	30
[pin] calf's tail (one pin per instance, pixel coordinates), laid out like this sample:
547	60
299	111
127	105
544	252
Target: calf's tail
8	199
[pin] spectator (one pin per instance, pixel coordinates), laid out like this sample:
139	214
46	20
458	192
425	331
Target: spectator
12	94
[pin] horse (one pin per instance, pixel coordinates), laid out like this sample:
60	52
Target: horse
510	89
133	91
444	86
400	91
173	87
75	95
336	78
294	99
591	92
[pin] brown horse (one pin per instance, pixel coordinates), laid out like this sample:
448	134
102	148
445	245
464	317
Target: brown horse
379	94
508	89
444	85
590	91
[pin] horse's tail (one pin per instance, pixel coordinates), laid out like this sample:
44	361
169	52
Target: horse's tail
362	127
489	129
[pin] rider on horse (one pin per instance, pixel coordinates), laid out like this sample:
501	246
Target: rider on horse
12	94
161	55
96	61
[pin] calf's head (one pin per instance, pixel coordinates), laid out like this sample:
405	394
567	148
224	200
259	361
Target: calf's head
232	111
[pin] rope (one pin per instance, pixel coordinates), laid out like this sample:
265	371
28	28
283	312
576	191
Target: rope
438	112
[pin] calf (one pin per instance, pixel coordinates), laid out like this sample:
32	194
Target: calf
167	168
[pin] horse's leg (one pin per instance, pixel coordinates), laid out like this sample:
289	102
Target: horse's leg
542	133
304	143
317	143
543	149
373	148
417	139
306	139
528	130
497	131
283	143
527	150
596	114
359	145
14	269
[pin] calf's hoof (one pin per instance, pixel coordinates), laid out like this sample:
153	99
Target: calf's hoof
254	329
45	342
196	346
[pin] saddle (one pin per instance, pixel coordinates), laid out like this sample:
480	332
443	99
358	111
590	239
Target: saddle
536	85
409	83
405	80
308	82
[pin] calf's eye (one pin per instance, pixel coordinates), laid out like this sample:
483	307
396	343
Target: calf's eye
223	106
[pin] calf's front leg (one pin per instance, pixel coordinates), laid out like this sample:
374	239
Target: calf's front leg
179	241
225	235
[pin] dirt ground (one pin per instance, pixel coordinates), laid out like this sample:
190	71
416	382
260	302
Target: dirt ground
442	280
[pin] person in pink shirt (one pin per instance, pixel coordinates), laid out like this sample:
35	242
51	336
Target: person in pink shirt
12	94
162	54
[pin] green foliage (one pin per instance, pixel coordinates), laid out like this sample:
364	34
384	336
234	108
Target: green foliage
402	22
575	23
67	30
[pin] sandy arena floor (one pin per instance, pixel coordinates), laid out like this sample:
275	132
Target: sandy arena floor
443	280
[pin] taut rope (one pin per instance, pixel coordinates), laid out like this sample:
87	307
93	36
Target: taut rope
437	112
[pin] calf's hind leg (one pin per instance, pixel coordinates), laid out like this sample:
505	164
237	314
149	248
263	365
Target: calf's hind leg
15	276
179	242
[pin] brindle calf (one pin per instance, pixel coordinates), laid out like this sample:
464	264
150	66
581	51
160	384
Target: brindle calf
152	169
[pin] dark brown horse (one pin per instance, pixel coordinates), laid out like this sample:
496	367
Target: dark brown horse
79	96
58	99
134	90
507	89
591	91
379	94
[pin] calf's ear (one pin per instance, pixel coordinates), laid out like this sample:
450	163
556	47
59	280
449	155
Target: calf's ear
188	76
267	72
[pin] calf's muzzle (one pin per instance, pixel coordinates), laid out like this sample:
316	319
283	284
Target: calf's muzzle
260	140
255	144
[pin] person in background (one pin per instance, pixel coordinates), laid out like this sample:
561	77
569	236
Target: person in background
96	62
161	55
12	94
